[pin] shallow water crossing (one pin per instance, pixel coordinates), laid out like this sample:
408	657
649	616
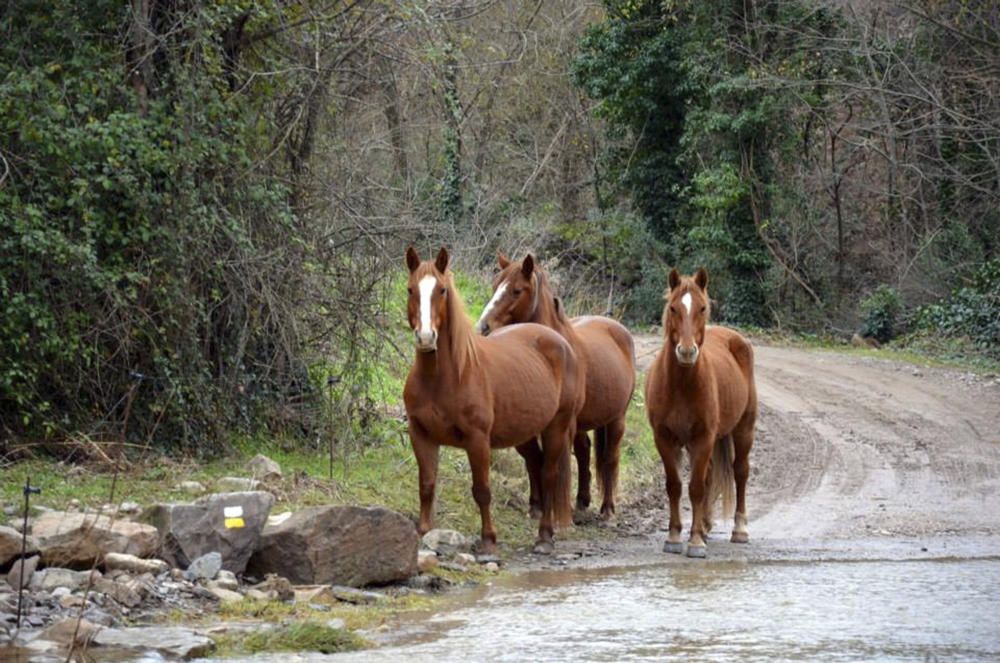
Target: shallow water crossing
716	611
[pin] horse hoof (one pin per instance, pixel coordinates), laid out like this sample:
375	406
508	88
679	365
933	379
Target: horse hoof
582	505
696	551
740	537
543	548
673	547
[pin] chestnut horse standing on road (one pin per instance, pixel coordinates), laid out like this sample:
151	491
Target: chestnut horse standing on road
521	293
700	395
479	393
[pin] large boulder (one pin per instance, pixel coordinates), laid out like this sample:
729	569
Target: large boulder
339	545
10	545
76	540
227	523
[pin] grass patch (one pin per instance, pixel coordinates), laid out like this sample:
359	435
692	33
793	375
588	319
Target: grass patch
302	636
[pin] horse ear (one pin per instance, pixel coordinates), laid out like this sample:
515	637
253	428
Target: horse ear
528	266
412	259
502	260
701	278
441	262
675	278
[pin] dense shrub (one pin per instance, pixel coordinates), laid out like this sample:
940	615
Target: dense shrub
972	311
881	311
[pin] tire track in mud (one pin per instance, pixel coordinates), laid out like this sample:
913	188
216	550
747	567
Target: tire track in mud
852	447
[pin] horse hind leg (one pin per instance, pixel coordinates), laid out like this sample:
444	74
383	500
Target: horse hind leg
581	449
742	443
531	452
556	510
608	456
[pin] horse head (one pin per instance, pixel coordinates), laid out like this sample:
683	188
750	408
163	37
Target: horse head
686	314
427	305
515	295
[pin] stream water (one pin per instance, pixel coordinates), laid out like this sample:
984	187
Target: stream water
920	610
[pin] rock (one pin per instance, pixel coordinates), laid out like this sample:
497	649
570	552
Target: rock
225	595
280	587
279	518
133	564
63	631
264	468
345	545
236	484
426	560
71	601
444	541
313	594
22	568
336	623
76	540
227	523
465	558
491	567
227	580
10	544
258	595
123	593
49	579
172	642
205	567
192	487
356	596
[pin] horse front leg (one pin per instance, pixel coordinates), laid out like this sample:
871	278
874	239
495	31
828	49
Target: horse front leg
670	450
478	451
531	452
426	453
700	451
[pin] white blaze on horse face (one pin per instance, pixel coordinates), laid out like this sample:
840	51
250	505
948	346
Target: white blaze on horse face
492	303
426	286
686	300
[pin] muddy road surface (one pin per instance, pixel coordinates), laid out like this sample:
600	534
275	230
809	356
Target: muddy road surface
874	504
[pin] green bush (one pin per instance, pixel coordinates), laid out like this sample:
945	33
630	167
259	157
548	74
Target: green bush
881	311
972	311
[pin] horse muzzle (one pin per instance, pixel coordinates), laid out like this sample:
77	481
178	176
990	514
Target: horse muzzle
426	341
686	356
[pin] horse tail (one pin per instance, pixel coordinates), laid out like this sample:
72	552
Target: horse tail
723	479
562	505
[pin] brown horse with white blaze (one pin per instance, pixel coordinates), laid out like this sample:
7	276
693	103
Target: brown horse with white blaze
700	395
521	293
479	393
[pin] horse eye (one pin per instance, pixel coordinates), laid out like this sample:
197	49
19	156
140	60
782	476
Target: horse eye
702	309
515	293
673	310
409	290
442	291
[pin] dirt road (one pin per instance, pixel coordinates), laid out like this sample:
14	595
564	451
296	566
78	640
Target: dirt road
856	456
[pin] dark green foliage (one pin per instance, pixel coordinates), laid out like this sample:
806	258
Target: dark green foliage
881	311
138	237
972	311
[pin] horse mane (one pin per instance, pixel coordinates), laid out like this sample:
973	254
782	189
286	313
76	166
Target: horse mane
545	296
463	345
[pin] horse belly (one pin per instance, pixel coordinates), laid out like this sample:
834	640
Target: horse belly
522	414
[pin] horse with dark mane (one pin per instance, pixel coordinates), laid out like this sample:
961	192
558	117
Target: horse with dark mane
521	293
700	396
479	394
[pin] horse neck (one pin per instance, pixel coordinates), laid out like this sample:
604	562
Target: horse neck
548	315
456	351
